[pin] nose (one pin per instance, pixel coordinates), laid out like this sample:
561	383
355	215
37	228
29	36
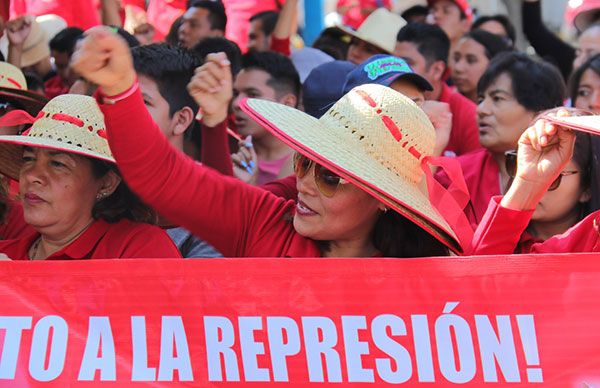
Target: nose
306	184
483	108
235	103
33	173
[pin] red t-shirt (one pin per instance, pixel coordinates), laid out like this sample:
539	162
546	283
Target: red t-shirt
465	132
355	16
239	14
162	13
14	225
482	177
77	13
500	231
102	240
55	87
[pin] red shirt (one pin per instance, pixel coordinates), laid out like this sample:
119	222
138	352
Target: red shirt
239	220
482	177
77	13
55	87
123	239
465	132
162	13
14	225
501	228
239	14
355	16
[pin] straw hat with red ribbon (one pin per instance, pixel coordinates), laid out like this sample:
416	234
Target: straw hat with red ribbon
13	87
71	123
381	141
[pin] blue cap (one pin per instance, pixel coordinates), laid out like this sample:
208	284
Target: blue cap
384	69
324	86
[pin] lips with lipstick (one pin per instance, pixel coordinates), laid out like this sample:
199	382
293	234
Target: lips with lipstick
32	199
302	209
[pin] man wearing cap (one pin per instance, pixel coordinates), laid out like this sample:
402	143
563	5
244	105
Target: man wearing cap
425	47
452	16
376	35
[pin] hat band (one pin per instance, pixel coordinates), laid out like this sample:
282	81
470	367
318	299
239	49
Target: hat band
20	117
13	81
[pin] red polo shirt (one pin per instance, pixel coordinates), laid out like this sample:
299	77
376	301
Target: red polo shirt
102	240
482	176
500	231
465	132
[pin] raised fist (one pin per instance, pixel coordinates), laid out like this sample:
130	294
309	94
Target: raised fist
17	30
103	57
211	87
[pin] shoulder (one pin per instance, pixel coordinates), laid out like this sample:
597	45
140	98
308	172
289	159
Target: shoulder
140	240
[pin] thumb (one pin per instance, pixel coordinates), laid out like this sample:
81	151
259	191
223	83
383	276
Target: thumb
220	58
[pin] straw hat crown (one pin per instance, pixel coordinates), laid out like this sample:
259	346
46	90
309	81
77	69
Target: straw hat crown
387	126
380	29
11	77
74	120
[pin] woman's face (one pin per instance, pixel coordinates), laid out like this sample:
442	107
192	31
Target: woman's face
58	190
349	215
588	92
588	46
468	65
501	118
561	205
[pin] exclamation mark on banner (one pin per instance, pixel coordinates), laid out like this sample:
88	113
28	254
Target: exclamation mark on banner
530	348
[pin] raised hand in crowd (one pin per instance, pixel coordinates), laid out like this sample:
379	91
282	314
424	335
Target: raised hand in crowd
103	58
245	162
17	30
544	151
211	87
441	117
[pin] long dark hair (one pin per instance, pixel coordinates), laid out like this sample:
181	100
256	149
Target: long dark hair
122	203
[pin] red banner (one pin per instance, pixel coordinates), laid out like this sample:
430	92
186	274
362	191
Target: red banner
486	321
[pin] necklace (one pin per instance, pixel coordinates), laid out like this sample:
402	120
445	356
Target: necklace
33	251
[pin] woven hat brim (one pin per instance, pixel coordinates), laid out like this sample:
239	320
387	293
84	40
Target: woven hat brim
310	137
11	152
358	35
31	101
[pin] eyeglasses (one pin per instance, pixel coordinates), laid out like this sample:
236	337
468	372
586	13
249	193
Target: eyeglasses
511	169
327	181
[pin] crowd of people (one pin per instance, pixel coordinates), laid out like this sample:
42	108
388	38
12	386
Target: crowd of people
415	135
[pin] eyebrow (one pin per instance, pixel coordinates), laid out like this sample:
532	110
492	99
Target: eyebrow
500	91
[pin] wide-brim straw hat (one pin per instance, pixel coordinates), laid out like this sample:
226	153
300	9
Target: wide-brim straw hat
380	29
374	137
71	123
13	86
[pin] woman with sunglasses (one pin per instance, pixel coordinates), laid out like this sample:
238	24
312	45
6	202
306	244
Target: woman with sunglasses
567	200
544	153
361	170
511	92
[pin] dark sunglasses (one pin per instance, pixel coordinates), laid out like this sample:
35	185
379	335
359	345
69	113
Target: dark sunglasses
511	169
327	181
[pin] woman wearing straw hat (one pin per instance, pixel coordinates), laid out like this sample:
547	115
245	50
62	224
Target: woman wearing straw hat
71	189
361	171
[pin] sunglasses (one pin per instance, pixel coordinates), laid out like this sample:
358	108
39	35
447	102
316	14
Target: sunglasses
327	181
511	169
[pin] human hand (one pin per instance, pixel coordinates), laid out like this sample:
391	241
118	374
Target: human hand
104	58
144	33
441	117
245	162
17	30
212	88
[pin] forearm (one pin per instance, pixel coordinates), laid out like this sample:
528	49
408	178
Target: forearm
14	55
215	148
287	21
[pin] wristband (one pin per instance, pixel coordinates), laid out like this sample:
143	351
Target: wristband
111	100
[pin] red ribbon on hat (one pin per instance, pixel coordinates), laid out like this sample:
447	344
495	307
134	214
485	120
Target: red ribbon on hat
450	202
20	117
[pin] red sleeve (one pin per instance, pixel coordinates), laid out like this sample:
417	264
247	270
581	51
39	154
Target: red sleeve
284	188
582	237
236	218
281	46
215	148
500	230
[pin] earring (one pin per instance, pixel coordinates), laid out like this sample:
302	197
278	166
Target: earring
385	209
101	195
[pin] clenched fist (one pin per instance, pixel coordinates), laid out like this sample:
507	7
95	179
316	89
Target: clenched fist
103	57
211	87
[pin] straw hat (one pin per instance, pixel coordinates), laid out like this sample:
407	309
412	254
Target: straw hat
380	29
13	86
374	137
71	123
51	24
